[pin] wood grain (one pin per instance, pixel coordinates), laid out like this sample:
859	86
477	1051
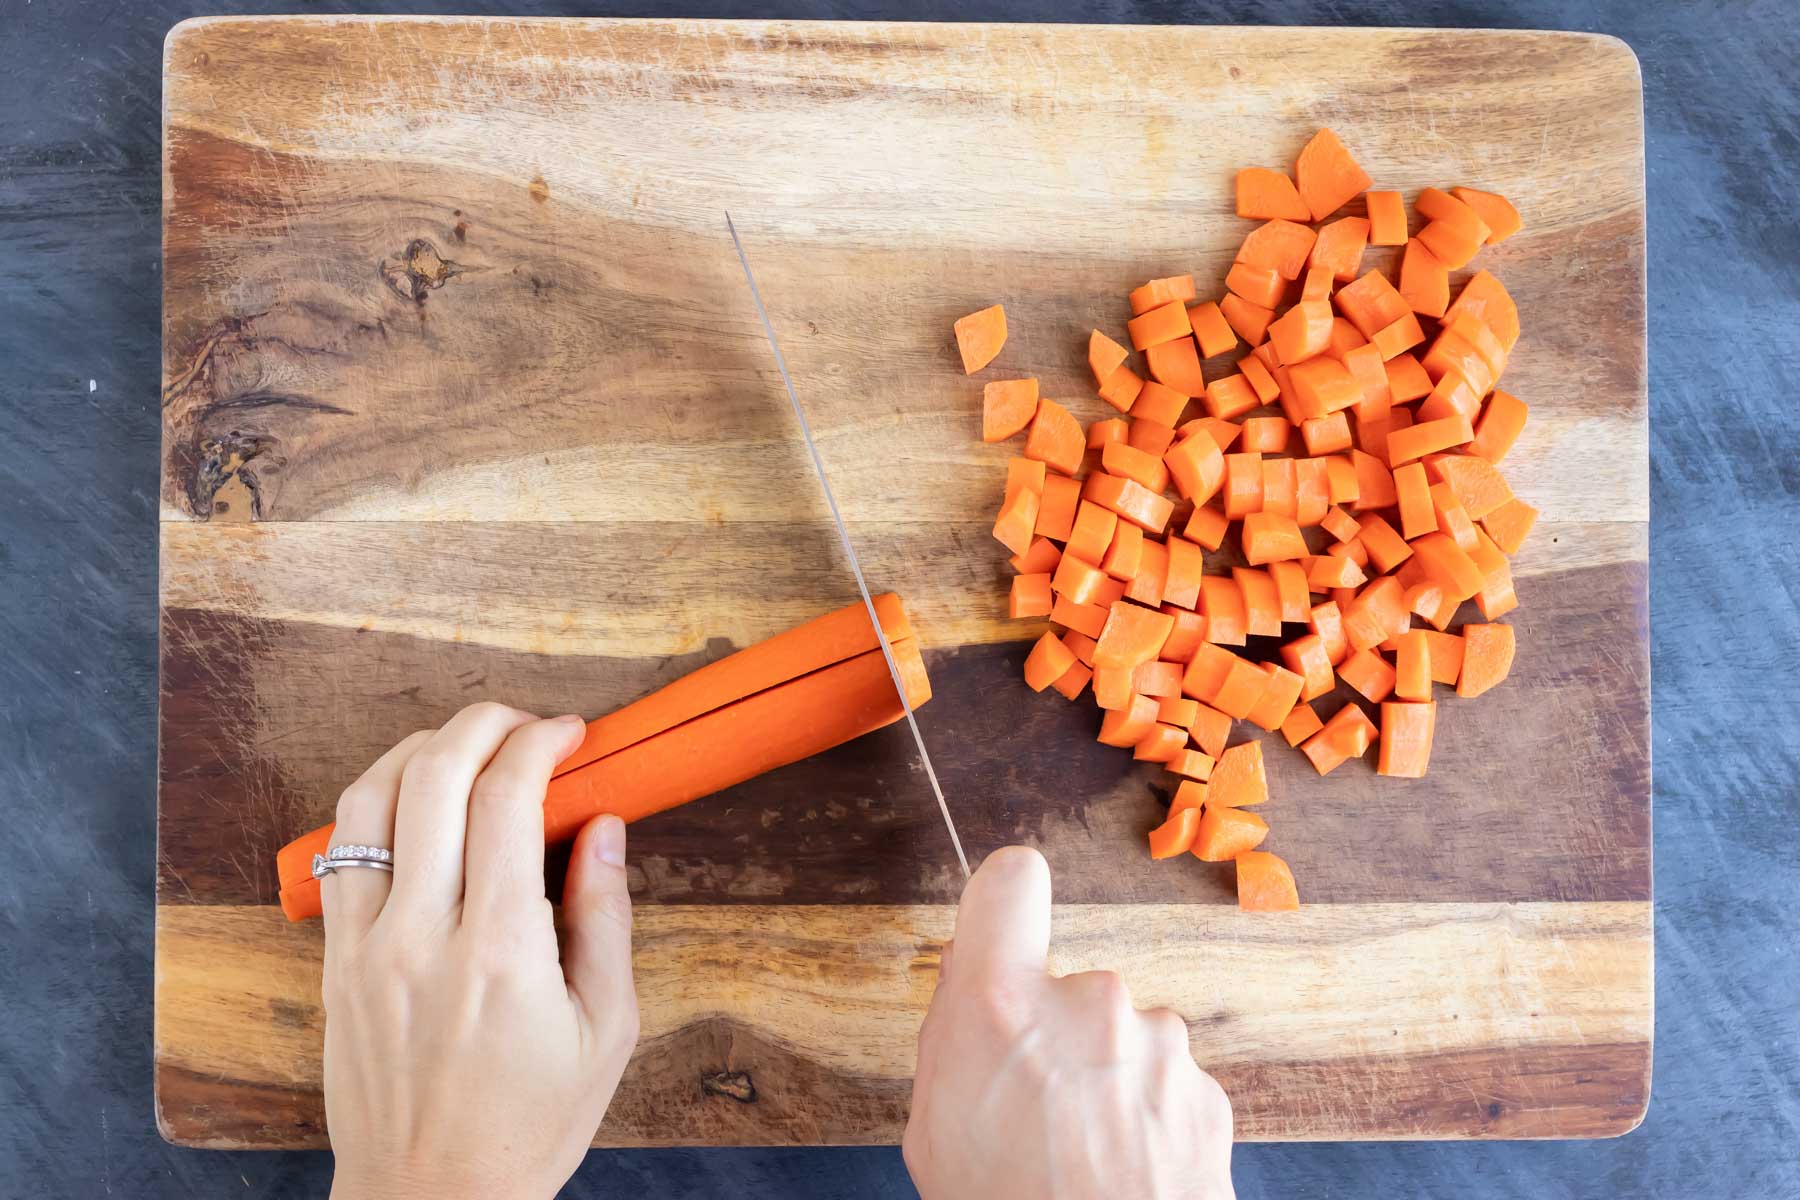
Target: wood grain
463	396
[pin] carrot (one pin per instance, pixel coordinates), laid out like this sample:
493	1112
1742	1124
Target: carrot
1224	833
1191	794
1244	685
1446	651
1316	283
1007	406
1262	286
1161	744
1243	484
1112	687
1347	735
1265	884
1083	618
1132	635
1280	487
1078	580
1354	550
1187	563
1281	246
1341	525
1175	835
1161	324
1018	515
1104	356
1312	491
1131	463
1301	332
1302	722
1269	538
1365	366
1209	731
1328	178
979	337
1397	337
1030	596
1229	396
1130	499
1476	482
1205	675
1343	485
1112	429
1187	636
1447	565
1371	303
1152	437
1160	403
1197	468
1412	666
1267	435
1126	727
1451	396
1324	386
1056	507
1414	491
1211	330
1158	680
1159	292
1073	681
1406	739
1208	525
1125	552
1024	473
1344	338
1326	435
1175	364
1178	710
1261	381
1248	319
1451	243
1499	427
1378	614
1333	571
1374	483
1278	698
1291	591
1509	523
1484	296
1222	604
1121	388
1327	621
1339	248
1387	549
1496	211
1262	606
1047	662
1387	218
1081	646
1056	438
1146	587
1238	779
1406	378
1367	672
1436	204
1039	559
1424	281
1269	195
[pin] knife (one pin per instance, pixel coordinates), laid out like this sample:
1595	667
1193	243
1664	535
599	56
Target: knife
843	532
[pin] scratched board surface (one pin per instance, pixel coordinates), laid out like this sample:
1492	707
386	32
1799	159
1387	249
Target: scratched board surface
464	396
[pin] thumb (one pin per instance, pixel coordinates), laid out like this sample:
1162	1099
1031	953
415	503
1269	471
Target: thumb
1003	922
597	913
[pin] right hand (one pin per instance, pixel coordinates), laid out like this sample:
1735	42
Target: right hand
1035	1087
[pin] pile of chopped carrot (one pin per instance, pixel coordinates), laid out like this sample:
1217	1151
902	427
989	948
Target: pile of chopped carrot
1353	451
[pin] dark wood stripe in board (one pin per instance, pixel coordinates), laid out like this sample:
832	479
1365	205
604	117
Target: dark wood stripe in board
1508	813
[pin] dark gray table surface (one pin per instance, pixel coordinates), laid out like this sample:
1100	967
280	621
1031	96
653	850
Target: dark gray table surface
80	283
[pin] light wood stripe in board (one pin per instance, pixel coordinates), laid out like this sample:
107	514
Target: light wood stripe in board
1370	1002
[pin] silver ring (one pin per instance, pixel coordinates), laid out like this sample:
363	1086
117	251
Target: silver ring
375	858
372	853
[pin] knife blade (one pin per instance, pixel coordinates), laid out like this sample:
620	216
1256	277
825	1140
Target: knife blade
843	532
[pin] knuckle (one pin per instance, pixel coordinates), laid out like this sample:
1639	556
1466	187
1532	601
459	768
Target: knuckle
487	710
431	768
1004	1006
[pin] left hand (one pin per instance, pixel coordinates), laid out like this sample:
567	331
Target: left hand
463	1056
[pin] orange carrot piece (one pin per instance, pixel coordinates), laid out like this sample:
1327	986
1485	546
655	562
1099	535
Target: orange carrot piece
979	337
1301	332
1306	657
1270	537
1177	709
1302	722
1187	563
1238	779
1196	466
1406	739
1280	490
1089	619
1092	533
1025	473
1056	507
1229	396
1129	462
1162	324
1327	176
1344	338
1157	679
1205	674
1056	438
1261	381
1175	835
1124	552
1414	491
1112	687
1327	621
1018	515
1487	658
1030	596
1039	559
1495	211
1243	687
1291	591
1209	731
1146	587
1371	303
1339	248
1262	605
1374	483
1341	525
1347	735
1486	297
1110	592
1190	795
1130	499
1132	634
1377	613
1500	424
1048	659
1312	491
1316	283
1344	486
1211	330
1121	388
1222	604
1073	681
1192	764
1081	646
1152	437
1007	406
1365	366
1248	319
1412	666
1160	403
1424	281
1387	549
1162	743
1509	523
1387	218
1323	386
1223	433
1113	429
1267	195
1282	246
1262	286
1079	581
1208	525
1333	571
1266	435
1354	550
1397	337
1406	378
1367	672
1327	434
1126	727
1448	566
1224	833
1187	636
1159	292
1175	364
1476	482
1265	883
1278	698
1104	357
1243	484
1446	651
1451	396
1450	243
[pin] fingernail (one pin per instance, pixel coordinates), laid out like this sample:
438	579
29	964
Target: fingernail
570	719
609	841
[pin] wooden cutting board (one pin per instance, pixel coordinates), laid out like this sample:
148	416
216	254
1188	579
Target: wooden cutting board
464	397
